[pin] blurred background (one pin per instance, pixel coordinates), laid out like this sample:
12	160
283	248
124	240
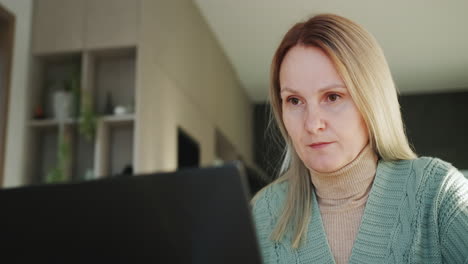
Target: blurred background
90	89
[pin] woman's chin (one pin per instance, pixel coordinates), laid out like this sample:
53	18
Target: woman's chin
324	166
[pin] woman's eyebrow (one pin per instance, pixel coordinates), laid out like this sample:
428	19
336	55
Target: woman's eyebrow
287	89
328	87
332	86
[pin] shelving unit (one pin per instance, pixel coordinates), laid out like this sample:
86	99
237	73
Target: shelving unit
107	76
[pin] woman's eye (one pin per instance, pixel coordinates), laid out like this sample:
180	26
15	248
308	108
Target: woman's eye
294	100
333	97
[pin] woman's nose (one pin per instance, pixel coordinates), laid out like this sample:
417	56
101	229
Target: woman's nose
314	120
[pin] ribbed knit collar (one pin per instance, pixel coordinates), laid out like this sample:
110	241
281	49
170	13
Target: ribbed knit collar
353	181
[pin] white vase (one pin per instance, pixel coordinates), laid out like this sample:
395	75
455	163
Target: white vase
62	101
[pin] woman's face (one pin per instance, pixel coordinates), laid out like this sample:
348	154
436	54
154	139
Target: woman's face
325	126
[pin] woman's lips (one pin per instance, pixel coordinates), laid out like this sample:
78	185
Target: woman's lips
320	145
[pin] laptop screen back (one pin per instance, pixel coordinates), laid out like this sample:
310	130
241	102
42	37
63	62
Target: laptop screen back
190	216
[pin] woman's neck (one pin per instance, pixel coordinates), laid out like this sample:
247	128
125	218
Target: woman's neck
351	181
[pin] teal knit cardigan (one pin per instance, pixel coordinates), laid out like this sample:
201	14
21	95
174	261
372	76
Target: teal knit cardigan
417	212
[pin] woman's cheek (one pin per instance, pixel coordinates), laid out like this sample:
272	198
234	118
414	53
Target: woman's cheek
341	107
293	116
293	121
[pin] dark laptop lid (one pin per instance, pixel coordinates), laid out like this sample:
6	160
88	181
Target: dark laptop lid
190	216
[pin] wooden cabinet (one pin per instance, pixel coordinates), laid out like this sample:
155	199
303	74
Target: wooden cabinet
58	26
107	79
111	23
95	40
74	25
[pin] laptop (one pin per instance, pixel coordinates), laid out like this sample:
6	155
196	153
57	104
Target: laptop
188	216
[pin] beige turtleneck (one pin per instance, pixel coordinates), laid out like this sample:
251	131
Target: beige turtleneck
342	197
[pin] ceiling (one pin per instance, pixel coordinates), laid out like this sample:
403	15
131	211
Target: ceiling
425	41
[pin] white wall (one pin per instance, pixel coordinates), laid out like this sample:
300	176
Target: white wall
15	145
185	80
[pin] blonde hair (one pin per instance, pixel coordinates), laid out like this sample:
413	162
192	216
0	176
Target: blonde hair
361	64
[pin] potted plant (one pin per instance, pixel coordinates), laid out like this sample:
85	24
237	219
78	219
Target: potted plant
61	101
60	172
88	118
66	98
74	104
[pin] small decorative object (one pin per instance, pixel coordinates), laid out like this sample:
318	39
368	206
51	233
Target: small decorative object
120	110
39	113
62	103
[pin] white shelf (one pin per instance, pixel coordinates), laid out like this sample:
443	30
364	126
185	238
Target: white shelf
50	122
117	119
107	119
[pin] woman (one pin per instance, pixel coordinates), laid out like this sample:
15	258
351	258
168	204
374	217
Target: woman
350	189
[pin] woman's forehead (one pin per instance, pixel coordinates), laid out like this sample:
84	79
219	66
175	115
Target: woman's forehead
308	68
